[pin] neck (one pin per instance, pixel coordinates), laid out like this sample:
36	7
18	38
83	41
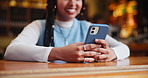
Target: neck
64	24
63	18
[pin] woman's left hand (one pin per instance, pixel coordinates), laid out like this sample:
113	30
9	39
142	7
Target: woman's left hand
104	53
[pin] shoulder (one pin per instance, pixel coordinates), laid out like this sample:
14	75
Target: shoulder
36	24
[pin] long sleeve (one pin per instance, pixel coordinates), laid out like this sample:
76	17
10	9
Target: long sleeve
121	50
24	48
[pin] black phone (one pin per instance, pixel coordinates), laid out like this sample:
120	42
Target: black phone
96	31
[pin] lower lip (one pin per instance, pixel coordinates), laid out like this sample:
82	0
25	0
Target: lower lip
70	12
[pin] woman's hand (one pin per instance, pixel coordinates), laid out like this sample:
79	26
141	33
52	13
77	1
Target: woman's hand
104	53
74	53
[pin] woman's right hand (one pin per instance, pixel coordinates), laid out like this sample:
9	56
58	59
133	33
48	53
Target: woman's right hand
73	53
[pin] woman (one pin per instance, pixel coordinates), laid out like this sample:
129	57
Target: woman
61	37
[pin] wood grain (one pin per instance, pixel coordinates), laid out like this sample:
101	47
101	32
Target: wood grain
135	67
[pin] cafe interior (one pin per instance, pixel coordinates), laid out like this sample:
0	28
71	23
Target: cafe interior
127	19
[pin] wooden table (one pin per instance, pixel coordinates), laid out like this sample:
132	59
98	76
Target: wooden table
138	49
133	67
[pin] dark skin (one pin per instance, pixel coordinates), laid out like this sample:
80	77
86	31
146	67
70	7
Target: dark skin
67	10
107	54
75	52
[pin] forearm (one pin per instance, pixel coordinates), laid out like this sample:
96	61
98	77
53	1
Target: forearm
23	52
122	51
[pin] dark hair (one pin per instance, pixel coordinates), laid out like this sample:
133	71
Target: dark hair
50	17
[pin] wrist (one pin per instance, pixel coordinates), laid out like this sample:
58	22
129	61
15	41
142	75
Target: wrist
54	54
114	57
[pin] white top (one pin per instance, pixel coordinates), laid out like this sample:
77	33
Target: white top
64	24
24	48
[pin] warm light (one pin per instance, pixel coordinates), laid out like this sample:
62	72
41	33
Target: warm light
12	3
120	10
125	32
25	3
131	7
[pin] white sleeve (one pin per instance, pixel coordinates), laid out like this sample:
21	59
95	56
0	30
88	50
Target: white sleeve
121	50
24	48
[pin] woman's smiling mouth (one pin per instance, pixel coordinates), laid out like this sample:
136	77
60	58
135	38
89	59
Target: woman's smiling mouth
71	11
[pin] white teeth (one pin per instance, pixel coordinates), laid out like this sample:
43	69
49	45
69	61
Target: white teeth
71	10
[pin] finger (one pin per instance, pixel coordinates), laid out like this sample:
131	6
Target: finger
89	59
103	42
81	47
100	41
80	59
91	46
89	53
101	60
101	50
101	57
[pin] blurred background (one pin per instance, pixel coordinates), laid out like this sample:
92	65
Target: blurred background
128	20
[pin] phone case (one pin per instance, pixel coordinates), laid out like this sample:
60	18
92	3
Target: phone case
96	31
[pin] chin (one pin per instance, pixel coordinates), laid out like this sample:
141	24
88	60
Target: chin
72	16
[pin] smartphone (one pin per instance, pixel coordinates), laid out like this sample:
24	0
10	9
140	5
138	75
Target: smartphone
96	31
